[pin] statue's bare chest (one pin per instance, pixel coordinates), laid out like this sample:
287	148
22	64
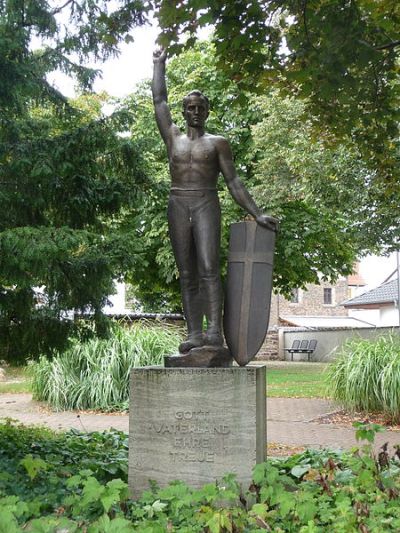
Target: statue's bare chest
185	151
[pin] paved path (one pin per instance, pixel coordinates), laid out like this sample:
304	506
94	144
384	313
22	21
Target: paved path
293	421
290	421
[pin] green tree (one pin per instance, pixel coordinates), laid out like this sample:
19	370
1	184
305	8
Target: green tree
320	193
66	177
342	56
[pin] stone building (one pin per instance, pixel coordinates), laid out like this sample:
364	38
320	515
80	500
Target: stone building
308	307
316	300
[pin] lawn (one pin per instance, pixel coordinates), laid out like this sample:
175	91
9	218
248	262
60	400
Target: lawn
288	380
296	380
17	379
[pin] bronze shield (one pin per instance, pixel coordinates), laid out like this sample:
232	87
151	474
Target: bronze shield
248	289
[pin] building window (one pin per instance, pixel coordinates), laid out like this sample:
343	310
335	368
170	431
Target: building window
327	296
295	297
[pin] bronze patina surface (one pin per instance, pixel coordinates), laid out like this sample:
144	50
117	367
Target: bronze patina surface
196	159
248	289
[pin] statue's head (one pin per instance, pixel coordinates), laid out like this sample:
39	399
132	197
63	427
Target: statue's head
196	107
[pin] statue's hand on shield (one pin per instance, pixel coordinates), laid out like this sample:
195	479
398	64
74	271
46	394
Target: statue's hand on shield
268	222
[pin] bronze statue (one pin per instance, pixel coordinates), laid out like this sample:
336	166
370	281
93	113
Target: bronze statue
196	159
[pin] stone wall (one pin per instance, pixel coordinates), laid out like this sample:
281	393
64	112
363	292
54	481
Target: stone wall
270	349
311	302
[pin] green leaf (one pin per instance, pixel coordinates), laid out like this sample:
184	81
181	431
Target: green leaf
33	466
92	491
286	504
8	522
299	470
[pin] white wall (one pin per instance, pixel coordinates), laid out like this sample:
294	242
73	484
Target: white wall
329	340
384	317
389	316
372	316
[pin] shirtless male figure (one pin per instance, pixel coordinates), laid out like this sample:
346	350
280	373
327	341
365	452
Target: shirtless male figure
195	161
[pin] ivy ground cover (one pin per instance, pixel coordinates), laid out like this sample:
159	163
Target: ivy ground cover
74	482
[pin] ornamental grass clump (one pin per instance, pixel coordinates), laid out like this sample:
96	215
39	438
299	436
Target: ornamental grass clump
95	374
366	376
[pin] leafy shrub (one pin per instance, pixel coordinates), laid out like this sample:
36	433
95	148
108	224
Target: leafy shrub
95	374
53	482
366	376
36	462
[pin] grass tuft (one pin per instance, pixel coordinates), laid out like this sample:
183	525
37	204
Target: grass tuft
95	374
366	376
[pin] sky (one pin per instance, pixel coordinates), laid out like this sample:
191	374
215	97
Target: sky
120	75
375	269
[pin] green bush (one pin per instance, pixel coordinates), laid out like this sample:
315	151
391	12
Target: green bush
52	482
95	374
366	376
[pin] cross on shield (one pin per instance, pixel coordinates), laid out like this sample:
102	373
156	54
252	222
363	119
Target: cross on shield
248	289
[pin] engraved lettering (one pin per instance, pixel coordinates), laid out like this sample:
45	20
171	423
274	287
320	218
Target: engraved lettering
192	442
192	457
193	435
189	415
222	429
161	428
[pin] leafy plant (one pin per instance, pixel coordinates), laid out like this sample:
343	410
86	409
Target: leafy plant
95	374
366	375
316	491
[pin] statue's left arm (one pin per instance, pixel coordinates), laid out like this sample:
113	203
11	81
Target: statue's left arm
238	191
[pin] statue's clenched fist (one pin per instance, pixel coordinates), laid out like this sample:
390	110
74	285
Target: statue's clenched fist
159	55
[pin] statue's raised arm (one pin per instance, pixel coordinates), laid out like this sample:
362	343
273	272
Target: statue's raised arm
160	95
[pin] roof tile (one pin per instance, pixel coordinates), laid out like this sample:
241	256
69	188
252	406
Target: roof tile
387	292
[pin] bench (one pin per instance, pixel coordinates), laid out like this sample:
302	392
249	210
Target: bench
304	346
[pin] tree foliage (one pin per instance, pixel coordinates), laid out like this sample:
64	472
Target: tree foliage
342	56
66	176
320	192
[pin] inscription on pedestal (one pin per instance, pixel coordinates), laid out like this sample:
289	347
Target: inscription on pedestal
195	424
193	439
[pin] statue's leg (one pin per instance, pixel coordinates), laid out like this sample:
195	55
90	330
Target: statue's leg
180	231
207	235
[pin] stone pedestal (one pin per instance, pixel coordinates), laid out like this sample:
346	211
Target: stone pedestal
195	425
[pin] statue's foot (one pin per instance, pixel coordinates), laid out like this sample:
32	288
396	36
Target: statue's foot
193	341
201	357
213	339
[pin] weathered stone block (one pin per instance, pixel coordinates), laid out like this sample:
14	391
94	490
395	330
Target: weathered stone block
195	424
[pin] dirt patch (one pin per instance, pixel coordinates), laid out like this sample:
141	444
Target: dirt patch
45	408
275	449
343	418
